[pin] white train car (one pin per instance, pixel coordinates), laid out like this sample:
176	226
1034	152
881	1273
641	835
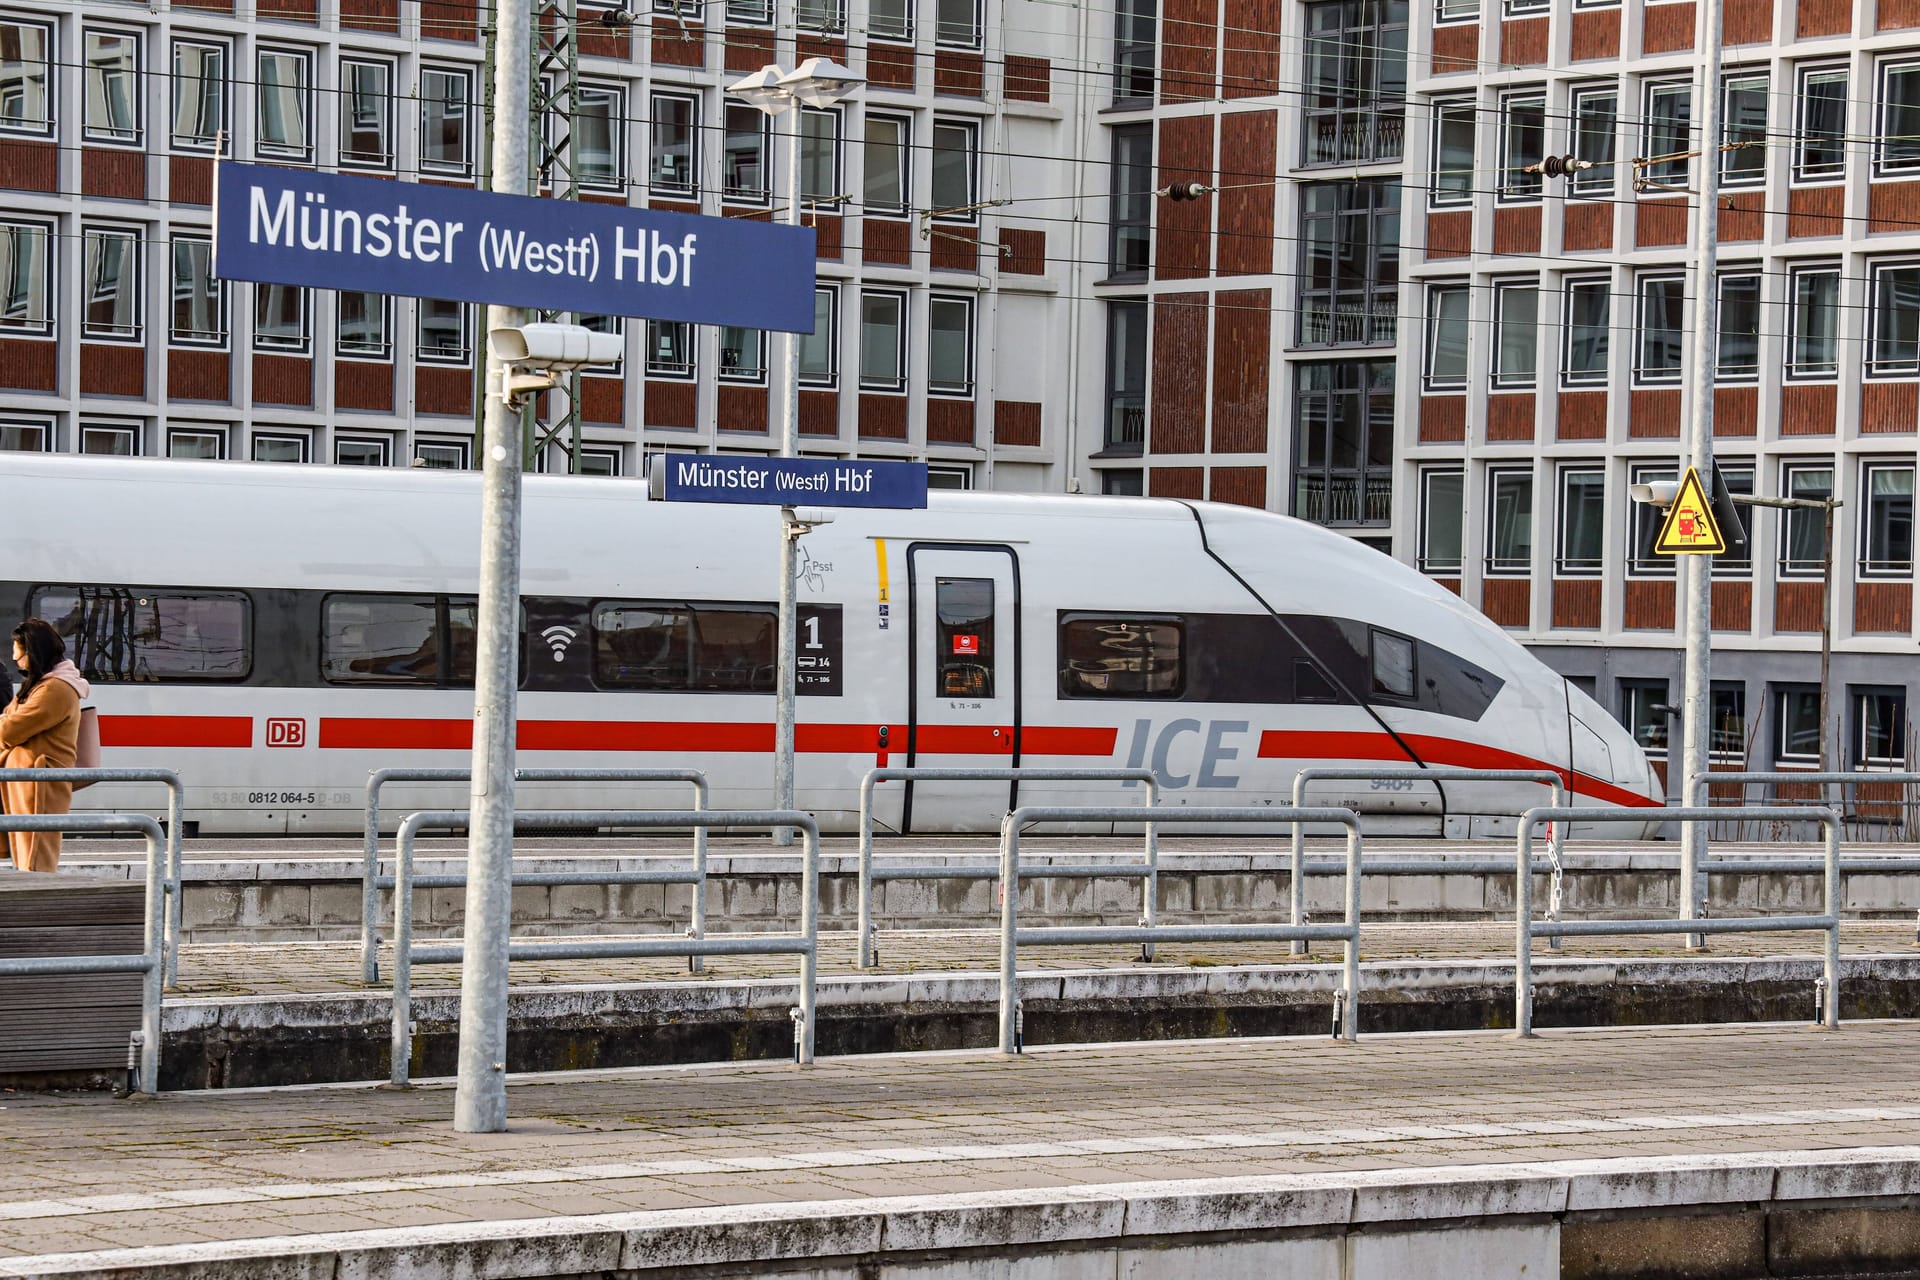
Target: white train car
275	633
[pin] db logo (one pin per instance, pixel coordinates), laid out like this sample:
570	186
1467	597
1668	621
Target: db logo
286	733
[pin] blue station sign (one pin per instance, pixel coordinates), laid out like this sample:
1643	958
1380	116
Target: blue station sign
789	482
326	231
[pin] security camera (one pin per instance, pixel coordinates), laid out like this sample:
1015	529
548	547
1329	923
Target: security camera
812	516
1657	493
550	350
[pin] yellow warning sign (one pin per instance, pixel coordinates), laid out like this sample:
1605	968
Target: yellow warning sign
1690	528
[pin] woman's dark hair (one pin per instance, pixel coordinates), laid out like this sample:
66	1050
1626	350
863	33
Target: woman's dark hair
44	648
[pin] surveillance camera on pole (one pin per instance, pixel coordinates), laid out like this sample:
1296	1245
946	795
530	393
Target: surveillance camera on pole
1656	493
547	351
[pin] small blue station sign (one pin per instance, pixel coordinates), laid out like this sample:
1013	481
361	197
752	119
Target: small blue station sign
789	482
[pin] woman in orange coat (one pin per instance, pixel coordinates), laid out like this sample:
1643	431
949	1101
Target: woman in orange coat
40	729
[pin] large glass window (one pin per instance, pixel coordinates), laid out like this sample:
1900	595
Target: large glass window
744	176
363	324
1886	530
674	164
1820	125
1356	81
199	301
366	114
685	648
283	106
669	349
1669	118
1447	309
884	158
443	336
1105	656
956	23
1510	522
398	640
112	108
1453	126
890	20
1896	319
1596	130
1589	324
199	94
820	156
1898	127
1516	333
1796	714
743	354
1879	728
140	634
1350	263
26	77
950	346
883	340
1737	351
819	351
26	305
280	318
1813	345
1645	711
963	637
113	292
445	139
1126	375
1583	510
1443	492
1343	458
954	160
1135	45
1803	531
598	139
1523	143
1662	329
1744	129
1131	214
829	16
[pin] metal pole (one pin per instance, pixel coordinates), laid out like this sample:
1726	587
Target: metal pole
1830	1012
480	1098
1826	646
1296	874
1350	959
153	981
177	888
863	935
1523	927
1696	571
1009	923
789	530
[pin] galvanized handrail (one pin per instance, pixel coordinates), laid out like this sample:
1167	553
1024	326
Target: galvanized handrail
1346	1004
1526	929
371	881
150	963
804	944
867	957
1296	889
176	804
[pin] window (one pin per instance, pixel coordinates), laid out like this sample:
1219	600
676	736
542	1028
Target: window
1583	510
1455	10
820	350
669	349
752	12
1126	375
744	172
883	341
362	451
743	354
1596	130
958	479
199	301
1523	142
26	437
600	462
1356	81
1589	323
956	23
1644	710
445	140
1669	115
199	94
886	181
598	137
1392	663
289	446
950	346
1896	320
1879	727
1443	495
1349	263
204	443
890	20
1447	306
398	640
26	305
963	637
1510	522
1135	42
1886	532
366	114
829	16
1453	124
674	164
953	159
1813	329
1516	340
1663	310
112	108
1738	477
1737	352
1796	714
284	85
820	156
112	297
684	648
1744	128
26	77
1130	218
444	335
1899	124
1803	531
1343	459
143	634
280	317
441	455
1104	656
363	324
1820	125
1647	520
110	441
1128	482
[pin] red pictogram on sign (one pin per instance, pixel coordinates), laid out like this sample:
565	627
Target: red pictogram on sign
966	644
286	732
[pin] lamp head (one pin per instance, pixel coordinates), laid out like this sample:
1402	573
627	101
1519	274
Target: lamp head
820	82
762	89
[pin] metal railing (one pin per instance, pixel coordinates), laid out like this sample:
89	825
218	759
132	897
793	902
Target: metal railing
867	957
1526	929
804	944
1296	892
150	963
176	803
1346	1001
371	881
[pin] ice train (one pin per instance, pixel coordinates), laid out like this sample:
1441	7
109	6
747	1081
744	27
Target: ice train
274	633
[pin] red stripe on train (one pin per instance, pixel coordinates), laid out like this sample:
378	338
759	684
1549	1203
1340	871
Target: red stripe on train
350	733
176	731
1307	744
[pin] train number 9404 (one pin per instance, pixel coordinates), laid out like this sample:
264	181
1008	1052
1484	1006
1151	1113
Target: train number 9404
1391	784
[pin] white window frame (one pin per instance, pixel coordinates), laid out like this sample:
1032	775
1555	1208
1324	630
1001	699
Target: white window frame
49	296
903	156
758	376
1497	478
1424	551
40	429
611	456
964	389
1659	377
382	444
1563	567
301	439
303	345
217	288
134	333
1436	289
303	153
1655	89
1884	71
1721	281
1784	565
763	130
463	356
466	114
898	383
384	162
658	369
1442	109
1569	376
1601	180
1868	568
1803	174
1857	696
1733	79
459	450
829	295
360	350
1645	518
131	432
224	115
937	476
964	212
1516	187
690	187
616	98
944	33
134	134
1513	380
1820	371
218	435
1876	367
1445	11
51	89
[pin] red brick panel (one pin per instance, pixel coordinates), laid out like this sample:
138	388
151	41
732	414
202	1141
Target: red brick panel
450	20
818	46
819	413
1449	235
1248	147
1243	331
440	389
1576	604
1516	229
1660	222
289	10
1028	79
949	421
743	408
748	51
1179	373
1815	211
1893	206
1889	407
26	165
1242	486
1587	225
282	380
29	365
1523	42
111	370
1796	605
1023	251
1747	22
1582	415
1649	603
1184	237
954	248
205	6
371	15
363	386
1897	15
1732	606
193	374
1882	608
1507	601
671	404
1510	416
190	179
1016	423
1251	66
1654	414
886	242
1451	584
1188	33
826	235
678	44
882	417
1443	419
1736	411
1456	49
1822	18
959	74
109	173
889	66
1596	34
1176	482
1743	216
1668	29
1808	408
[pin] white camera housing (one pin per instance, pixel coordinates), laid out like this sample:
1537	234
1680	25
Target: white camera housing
1657	493
557	348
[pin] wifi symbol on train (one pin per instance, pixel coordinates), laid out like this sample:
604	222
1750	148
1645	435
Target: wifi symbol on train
558	638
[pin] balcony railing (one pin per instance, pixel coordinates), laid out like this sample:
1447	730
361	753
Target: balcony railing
1352	136
1344	498
1328	323
1127	423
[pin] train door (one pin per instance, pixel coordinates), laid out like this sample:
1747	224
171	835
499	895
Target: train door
964	676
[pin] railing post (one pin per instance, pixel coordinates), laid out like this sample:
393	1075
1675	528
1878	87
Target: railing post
176	882
1009	922
1297	875
1556	848
863	935
1150	886
1350	968
810	926
698	964
401	1064
1830	821
369	890
153	981
1523	927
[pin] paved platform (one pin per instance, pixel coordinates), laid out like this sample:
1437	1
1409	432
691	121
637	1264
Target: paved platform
320	1172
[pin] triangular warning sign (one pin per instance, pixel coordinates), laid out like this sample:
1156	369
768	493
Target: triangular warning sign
1690	528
